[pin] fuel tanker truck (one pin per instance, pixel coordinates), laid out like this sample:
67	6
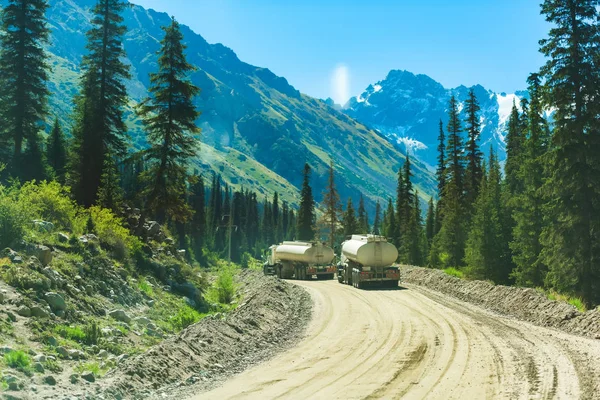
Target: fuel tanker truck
367	260
300	260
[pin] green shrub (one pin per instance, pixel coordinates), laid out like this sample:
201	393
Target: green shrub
454	272
185	317
71	332
92	333
18	359
225	285
14	219
112	233
51	202
52	366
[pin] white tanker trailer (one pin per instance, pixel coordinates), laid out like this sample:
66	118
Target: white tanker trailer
368	260
300	260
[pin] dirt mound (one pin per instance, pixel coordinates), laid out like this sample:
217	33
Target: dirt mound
522	303
272	316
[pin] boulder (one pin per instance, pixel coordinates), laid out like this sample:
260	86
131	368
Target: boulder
122	358
120	315
52	341
88	376
74	378
44	254
64	353
56	301
103	354
6	349
39	312
76	354
40	358
11	316
24	311
153	228
62	237
142	321
43	226
49	380
39	367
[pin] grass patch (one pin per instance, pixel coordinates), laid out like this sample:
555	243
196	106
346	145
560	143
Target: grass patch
146	287
224	289
52	366
18	359
92	366
185	317
576	302
70	332
454	272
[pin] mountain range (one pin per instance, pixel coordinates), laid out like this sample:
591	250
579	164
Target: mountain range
257	129
406	108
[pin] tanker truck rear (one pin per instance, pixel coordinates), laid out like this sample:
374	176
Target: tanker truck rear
300	260
367	260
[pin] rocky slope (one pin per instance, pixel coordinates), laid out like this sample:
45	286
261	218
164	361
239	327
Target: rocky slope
258	130
407	108
522	303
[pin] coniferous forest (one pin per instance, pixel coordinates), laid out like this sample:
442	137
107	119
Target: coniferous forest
530	220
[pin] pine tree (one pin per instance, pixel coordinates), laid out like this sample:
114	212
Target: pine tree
349	221
99	128
377	221
276	219
363	217
473	171
528	207
487	255
23	77
441	168
306	214
267	223
571	242
514	149
56	152
400	209
169	116
110	194
285	220
413	240
332	205
198	222
430	222
449	243
391	230
454	148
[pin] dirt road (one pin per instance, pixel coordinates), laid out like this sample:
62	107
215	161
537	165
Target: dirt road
416	344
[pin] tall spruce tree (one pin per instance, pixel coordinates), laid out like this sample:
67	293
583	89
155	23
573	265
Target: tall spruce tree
571	242
400	209
197	202
377	220
277	225
473	171
110	194
514	150
56	151
305	225
390	228
449	243
169	116
350	221
23	91
528	205
441	168
430	222
332	205
99	128
487	254
363	217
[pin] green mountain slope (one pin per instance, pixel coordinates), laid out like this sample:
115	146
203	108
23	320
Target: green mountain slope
257	130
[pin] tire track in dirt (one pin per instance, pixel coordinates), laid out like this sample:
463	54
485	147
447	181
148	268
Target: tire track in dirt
417	343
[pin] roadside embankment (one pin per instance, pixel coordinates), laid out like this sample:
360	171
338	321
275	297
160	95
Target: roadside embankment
522	303
271	317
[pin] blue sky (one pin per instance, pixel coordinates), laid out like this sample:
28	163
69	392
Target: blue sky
336	48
